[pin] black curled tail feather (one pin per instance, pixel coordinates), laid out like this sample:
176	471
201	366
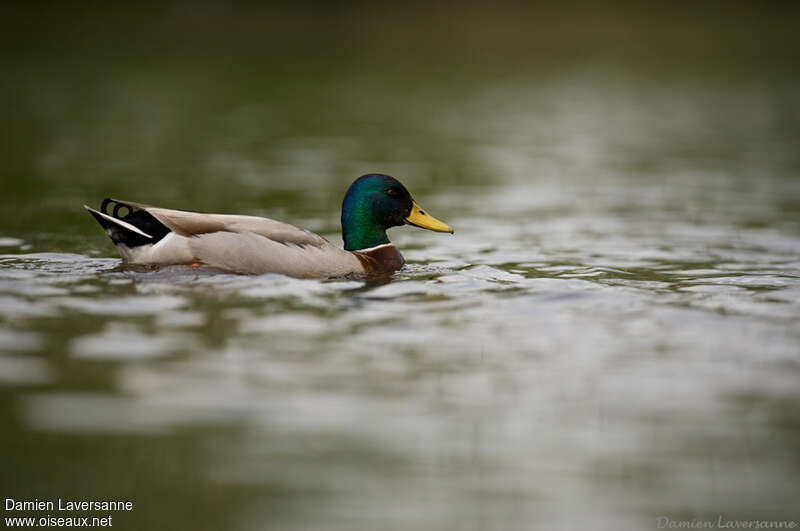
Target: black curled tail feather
137	227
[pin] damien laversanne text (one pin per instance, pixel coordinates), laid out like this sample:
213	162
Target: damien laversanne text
68	505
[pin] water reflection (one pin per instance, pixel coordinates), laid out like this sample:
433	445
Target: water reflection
497	371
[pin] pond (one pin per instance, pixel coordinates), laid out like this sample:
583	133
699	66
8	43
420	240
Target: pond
610	336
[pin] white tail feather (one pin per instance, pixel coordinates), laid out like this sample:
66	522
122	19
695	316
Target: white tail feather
119	222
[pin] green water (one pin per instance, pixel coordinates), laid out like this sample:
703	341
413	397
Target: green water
610	336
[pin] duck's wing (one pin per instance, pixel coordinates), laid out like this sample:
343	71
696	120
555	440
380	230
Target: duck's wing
187	223
243	244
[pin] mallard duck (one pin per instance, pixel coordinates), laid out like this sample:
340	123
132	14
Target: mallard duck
146	234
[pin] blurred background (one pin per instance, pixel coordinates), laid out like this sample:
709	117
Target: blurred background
610	336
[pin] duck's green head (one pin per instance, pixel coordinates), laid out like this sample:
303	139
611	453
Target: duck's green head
375	202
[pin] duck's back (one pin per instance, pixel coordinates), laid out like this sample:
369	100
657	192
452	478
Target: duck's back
237	243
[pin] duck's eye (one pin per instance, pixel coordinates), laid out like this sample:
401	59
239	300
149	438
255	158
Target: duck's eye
392	192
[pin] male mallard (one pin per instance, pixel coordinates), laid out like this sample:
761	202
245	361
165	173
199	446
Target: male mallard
250	244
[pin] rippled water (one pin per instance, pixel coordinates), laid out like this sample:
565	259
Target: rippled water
610	336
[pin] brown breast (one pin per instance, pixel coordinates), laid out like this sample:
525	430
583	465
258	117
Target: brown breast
382	259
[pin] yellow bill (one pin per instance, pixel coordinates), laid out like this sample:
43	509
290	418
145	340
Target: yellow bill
419	218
